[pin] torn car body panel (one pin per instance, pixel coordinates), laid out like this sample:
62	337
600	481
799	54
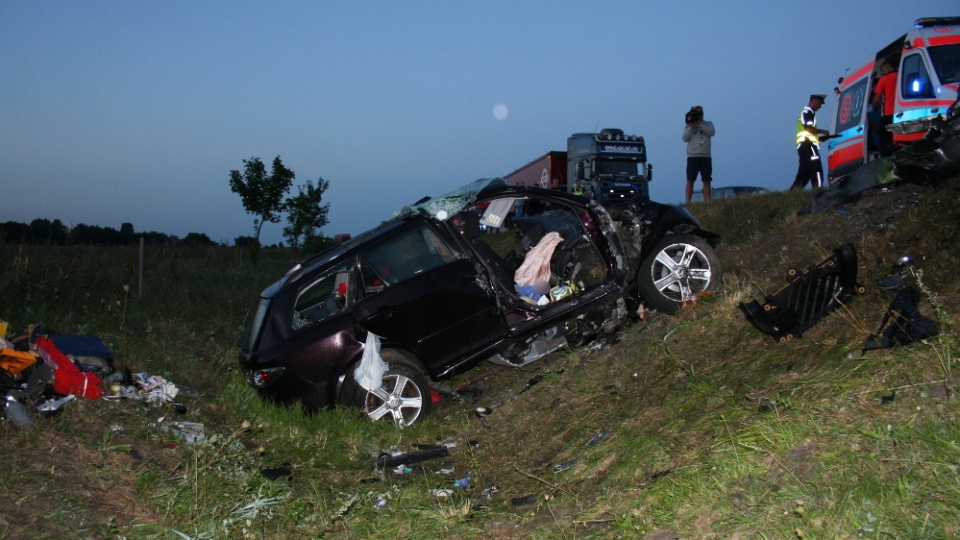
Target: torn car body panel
808	297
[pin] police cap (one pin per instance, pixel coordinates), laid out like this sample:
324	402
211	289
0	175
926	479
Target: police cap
821	97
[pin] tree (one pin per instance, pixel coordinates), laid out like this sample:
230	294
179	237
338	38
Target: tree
197	239
43	231
262	195
244	241
306	214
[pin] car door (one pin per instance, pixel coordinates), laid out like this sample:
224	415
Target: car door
425	295
848	150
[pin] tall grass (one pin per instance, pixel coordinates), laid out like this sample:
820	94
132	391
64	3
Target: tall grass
710	429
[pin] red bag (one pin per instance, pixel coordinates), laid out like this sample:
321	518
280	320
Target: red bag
68	379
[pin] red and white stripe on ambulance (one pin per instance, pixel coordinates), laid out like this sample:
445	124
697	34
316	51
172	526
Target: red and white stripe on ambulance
928	77
849	149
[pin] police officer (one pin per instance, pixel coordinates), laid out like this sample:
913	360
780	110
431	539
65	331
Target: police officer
578	189
808	145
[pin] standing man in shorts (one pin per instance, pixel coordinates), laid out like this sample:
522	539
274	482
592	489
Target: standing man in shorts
697	134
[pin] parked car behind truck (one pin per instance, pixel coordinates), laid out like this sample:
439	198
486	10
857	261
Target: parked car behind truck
443	295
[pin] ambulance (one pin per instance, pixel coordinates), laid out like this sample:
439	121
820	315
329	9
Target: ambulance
927	60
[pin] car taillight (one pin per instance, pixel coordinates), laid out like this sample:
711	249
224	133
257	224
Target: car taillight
264	377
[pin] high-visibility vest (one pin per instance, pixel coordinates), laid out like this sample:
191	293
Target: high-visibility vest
802	134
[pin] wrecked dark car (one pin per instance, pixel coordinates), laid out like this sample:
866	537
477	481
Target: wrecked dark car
491	272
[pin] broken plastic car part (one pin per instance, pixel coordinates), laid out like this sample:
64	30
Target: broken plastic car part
809	296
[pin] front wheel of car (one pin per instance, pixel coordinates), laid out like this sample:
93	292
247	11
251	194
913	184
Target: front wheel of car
404	396
679	268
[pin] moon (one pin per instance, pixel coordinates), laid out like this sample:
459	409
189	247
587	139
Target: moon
500	111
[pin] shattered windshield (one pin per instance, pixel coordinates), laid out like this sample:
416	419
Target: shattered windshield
455	201
946	62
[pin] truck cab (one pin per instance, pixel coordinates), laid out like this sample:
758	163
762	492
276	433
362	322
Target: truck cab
927	60
612	166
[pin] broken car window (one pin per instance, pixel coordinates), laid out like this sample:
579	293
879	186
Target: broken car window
323	298
402	257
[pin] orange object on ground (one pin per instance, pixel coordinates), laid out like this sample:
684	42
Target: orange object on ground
13	361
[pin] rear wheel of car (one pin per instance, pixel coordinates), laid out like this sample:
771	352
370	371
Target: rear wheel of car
679	268
404	396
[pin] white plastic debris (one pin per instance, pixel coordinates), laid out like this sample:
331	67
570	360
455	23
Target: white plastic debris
190	432
53	404
372	367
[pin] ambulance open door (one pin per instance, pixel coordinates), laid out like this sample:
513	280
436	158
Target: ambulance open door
851	146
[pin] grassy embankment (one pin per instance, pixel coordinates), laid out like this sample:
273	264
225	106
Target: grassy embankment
711	429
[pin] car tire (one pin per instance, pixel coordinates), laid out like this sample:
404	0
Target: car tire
403	397
679	268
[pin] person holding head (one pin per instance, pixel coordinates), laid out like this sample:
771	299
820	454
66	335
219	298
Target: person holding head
697	134
884	94
808	145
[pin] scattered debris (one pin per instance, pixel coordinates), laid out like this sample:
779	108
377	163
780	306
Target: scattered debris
525	500
902	273
43	367
531	383
808	297
654	476
54	405
387	460
764	404
490	491
15	412
906	324
190	432
598	438
274	473
937	154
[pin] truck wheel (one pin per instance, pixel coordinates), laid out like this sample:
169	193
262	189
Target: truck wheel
679	267
404	396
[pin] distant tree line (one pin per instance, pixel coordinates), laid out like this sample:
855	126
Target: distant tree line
55	233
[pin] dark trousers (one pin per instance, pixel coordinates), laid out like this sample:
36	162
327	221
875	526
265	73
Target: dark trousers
702	165
886	138
810	170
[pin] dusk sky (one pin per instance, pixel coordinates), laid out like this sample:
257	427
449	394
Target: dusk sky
136	111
